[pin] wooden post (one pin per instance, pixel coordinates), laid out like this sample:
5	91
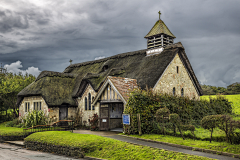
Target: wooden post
139	124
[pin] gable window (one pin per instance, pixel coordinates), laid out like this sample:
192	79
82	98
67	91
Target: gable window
174	91
182	92
93	108
105	68
89	99
27	106
85	103
37	106
177	69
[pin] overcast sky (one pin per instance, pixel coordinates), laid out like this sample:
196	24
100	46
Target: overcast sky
38	35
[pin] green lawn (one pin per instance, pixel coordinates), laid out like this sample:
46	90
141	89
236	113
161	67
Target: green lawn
14	131
107	148
218	146
10	131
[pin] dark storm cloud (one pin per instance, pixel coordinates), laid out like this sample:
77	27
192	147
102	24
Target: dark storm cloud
48	33
10	20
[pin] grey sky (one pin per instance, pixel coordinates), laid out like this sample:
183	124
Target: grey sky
37	35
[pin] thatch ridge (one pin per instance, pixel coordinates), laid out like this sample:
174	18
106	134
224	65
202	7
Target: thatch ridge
56	74
121	55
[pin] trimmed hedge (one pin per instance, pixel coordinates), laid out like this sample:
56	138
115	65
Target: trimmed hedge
58	149
147	102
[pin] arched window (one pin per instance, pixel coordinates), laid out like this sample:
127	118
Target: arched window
177	69
89	99
85	103
93	108
174	91
182	92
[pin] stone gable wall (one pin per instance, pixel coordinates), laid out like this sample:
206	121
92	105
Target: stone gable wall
171	78
32	99
52	112
87	114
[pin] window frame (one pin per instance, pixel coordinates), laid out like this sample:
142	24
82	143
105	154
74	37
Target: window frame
27	106
86	103
93	107
89	101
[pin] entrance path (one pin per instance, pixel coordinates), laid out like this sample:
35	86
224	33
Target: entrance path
114	135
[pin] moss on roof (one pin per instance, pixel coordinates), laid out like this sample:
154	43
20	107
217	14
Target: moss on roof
159	28
56	88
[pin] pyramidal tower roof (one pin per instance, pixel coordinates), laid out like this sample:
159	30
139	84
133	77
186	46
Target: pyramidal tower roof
159	28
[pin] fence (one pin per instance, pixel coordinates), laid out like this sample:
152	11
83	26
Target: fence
56	126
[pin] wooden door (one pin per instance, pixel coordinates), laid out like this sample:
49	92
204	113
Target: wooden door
104	118
63	112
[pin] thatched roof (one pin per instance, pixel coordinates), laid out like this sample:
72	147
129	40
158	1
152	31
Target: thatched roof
54	87
58	88
135	65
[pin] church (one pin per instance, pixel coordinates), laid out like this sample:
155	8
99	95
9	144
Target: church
102	86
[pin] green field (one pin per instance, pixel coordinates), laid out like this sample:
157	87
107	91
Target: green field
235	99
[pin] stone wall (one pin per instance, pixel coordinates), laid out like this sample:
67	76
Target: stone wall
31	100
171	78
87	114
50	148
54	114
72	112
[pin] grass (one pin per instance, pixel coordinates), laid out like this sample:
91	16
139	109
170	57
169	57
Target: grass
218	146
10	131
13	131
107	148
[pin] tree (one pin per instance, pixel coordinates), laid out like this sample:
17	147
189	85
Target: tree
10	85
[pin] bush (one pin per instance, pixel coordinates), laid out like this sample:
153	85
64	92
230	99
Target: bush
35	118
94	122
226	124
146	102
210	122
12	123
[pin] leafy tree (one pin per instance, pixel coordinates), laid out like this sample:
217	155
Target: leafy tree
10	85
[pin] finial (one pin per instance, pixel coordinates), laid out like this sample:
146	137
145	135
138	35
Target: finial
70	61
159	14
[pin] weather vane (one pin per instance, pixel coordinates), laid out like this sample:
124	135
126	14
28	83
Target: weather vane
70	61
159	14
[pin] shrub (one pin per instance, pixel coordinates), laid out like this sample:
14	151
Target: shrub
35	118
210	122
12	123
94	122
147	102
226	124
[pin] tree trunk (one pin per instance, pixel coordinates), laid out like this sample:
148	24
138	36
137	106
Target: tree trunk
181	132
211	135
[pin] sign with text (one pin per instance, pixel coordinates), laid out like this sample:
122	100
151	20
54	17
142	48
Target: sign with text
126	119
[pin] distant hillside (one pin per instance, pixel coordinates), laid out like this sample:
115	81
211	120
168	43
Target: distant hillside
213	90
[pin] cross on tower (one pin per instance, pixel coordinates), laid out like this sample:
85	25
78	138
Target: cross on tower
159	14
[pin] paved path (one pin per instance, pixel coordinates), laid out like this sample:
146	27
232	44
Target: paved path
12	152
114	135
